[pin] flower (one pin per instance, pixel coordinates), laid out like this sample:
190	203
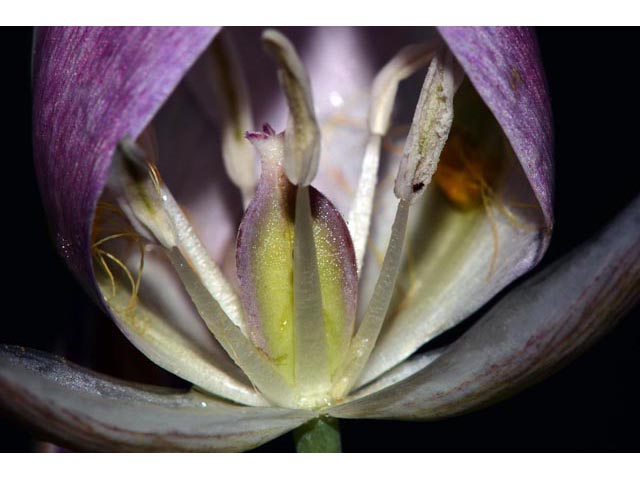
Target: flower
462	260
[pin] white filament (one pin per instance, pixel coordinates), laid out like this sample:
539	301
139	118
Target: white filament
385	86
360	214
142	186
365	339
195	252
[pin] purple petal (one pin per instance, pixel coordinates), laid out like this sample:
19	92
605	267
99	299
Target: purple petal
91	87
535	329
503	63
88	411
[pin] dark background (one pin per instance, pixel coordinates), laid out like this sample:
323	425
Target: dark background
592	405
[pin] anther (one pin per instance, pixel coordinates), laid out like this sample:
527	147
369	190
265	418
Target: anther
302	136
430	127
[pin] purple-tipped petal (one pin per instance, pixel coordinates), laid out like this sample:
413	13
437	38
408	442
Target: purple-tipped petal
92	87
535	329
503	63
88	411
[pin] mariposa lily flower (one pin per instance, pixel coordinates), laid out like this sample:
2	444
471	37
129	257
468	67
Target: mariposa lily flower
414	221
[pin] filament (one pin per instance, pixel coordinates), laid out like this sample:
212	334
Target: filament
365	339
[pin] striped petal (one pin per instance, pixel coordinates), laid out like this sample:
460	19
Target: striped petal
92	87
504	66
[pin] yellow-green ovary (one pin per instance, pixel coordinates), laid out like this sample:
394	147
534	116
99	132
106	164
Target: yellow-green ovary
273	275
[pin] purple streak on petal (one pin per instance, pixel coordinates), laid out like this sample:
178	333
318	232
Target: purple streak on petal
91	87
503	63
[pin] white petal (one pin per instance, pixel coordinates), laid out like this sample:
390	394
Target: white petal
450	270
397	374
537	327
89	411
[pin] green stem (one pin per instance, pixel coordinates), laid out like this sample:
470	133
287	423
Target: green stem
320	435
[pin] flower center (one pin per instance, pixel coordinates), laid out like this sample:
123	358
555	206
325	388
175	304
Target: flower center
292	328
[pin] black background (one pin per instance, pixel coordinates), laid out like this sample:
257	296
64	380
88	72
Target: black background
592	405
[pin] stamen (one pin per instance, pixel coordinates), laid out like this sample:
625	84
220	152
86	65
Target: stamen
311	360
302	137
427	136
253	363
430	127
150	202
365	339
234	105
385	86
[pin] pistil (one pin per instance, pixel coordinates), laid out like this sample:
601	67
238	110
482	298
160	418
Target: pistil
296	263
